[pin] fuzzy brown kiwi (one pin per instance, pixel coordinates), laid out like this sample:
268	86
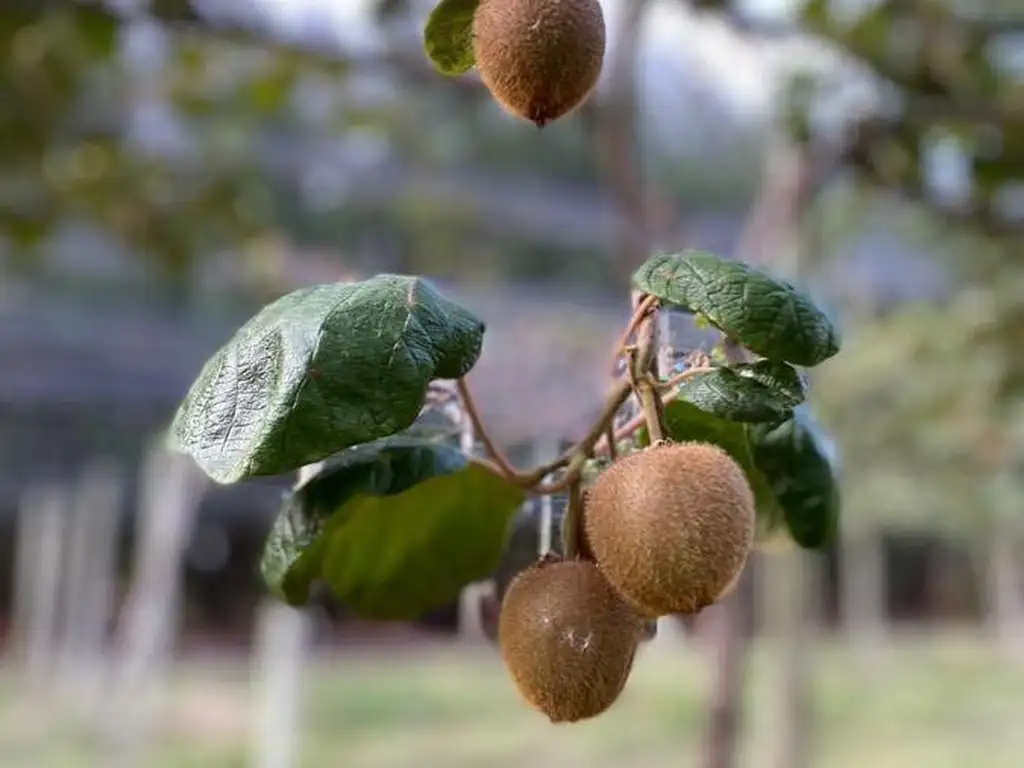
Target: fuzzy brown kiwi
567	638
671	527
540	59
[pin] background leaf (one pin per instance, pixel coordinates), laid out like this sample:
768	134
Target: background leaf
795	460
686	422
292	556
766	391
321	369
768	316
448	36
396	529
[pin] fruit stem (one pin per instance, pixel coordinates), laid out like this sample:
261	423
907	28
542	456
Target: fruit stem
644	307
644	375
609	437
571	522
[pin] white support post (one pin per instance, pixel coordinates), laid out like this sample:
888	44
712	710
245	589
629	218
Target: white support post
90	563
38	560
283	636
171	491
471	625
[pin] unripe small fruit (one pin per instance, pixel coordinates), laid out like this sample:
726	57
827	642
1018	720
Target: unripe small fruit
540	59
567	639
671	527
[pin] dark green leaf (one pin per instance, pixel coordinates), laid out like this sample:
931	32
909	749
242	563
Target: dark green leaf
794	459
768	316
396	529
765	391
389	466
448	36
782	378
685	422
322	369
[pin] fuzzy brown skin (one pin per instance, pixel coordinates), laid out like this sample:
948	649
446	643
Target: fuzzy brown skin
671	528
540	59
567	639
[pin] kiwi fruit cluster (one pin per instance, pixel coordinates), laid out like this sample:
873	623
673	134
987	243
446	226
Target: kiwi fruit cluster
540	59
667	530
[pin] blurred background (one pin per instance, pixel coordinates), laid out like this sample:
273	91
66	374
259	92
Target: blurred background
168	167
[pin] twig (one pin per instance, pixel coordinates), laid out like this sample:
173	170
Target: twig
626	430
649	403
572	461
644	374
615	400
671	383
643	309
492	449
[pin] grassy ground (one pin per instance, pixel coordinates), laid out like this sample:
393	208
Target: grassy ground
932	704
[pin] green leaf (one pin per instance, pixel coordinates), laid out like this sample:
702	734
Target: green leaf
448	36
322	369
765	391
685	422
768	316
396	529
793	457
783	379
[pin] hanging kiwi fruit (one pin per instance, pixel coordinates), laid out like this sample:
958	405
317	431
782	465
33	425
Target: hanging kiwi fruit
671	527
540	59
567	638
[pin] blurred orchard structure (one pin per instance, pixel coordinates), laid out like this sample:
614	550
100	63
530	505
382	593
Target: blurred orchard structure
168	167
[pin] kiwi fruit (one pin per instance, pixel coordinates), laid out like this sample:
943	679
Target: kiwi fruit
567	638
540	59
671	527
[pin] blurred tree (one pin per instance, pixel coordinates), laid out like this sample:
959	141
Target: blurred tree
77	151
184	136
948	88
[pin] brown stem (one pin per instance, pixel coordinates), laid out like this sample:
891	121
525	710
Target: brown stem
631	426
571	523
492	449
574	458
586	445
609	437
671	383
649	406
644	376
645	306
